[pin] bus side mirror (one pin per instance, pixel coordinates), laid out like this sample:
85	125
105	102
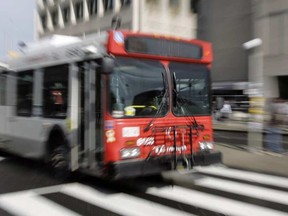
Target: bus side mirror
108	65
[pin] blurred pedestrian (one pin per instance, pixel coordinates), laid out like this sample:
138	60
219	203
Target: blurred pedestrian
226	110
277	114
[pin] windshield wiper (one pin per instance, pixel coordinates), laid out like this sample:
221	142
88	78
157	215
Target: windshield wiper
187	113
162	103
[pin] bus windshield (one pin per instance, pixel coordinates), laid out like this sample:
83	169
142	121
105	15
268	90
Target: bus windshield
138	89
191	95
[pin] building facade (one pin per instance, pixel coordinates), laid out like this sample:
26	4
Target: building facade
228	24
269	61
260	69
83	17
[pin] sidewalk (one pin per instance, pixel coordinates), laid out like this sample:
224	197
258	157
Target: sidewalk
245	157
254	160
237	126
230	125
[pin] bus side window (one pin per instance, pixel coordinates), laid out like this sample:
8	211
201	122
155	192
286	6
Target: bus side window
2	90
24	93
55	91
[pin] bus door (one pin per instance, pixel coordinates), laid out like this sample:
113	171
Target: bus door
91	117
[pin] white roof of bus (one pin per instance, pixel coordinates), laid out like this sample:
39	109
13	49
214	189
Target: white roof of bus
53	49
52	41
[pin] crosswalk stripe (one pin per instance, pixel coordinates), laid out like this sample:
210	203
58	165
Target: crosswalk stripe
244	175
29	204
244	189
218	191
119	202
212	202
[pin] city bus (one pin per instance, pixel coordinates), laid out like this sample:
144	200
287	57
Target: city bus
118	104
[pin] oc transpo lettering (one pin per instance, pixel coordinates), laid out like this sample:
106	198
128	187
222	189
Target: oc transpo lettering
163	149
147	141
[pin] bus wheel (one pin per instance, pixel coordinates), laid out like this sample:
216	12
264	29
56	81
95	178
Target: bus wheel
59	163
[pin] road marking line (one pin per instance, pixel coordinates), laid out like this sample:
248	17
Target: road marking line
245	175
119	202
212	202
244	189
30	204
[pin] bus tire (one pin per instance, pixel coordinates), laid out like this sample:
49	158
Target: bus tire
58	163
58	158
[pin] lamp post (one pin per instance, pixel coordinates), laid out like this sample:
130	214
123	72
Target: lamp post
255	93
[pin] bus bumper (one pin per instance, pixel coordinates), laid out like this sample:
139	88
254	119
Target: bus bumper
152	166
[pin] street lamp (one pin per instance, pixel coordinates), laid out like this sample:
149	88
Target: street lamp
252	44
255	93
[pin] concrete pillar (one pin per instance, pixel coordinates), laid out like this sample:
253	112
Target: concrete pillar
136	15
49	21
60	17
85	11
256	97
100	8
40	29
117	6
72	13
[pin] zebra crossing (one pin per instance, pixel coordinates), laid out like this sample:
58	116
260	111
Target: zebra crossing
213	190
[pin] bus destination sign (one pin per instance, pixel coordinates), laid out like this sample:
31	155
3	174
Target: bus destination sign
162	47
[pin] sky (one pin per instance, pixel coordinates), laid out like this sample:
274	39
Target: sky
17	23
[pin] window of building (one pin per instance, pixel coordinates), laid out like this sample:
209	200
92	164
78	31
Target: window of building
174	5
93	7
153	4
24	93
44	21
55	91
152	1
108	4
66	15
54	16
125	3
2	90
79	10
194	6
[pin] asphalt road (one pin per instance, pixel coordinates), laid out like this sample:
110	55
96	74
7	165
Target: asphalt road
19	174
26	188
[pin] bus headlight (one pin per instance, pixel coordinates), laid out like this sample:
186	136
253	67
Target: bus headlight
206	146
130	152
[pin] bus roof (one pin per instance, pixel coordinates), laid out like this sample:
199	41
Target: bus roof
58	49
52	41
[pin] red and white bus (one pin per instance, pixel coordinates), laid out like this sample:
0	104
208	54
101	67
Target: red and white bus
120	104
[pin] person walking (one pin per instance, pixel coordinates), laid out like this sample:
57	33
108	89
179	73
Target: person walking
273	137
